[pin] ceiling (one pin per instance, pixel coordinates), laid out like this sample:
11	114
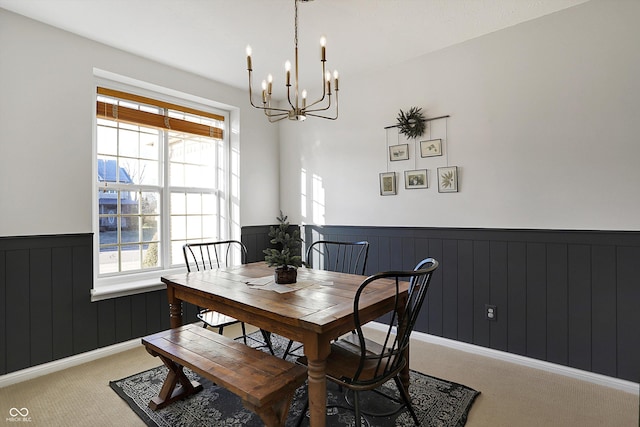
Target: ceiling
209	37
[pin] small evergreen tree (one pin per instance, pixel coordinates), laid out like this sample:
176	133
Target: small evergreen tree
285	256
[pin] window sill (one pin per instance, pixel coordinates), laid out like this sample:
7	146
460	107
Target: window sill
124	286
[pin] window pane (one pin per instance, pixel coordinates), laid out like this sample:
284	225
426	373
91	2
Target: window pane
209	227
131	258
150	144
107	169
178	203
150	230
198	151
199	176
109	260
194	227
107	140
176	174
178	227
108	209
128	143
131	235
176	149
108	237
150	253
150	203
209	204
177	256
129	203
194	204
148	172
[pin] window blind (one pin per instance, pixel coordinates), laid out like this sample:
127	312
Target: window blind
113	111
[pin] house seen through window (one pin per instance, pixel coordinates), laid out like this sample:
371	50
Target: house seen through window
161	181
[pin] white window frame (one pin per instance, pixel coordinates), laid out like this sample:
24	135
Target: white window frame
139	282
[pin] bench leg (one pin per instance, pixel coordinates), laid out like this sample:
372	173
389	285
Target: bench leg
274	415
169	392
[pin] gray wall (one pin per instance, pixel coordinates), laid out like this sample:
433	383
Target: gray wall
567	297
46	128
543	128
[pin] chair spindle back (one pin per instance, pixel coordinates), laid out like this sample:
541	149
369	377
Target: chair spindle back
212	255
344	257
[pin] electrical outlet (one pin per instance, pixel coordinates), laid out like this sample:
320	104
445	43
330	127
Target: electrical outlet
491	312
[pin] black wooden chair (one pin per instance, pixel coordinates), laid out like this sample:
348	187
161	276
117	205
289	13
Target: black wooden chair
212	255
360	364
344	257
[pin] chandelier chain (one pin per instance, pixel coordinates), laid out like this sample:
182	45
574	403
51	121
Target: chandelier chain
295	37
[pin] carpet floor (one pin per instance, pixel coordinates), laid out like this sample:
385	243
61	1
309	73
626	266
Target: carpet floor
437	402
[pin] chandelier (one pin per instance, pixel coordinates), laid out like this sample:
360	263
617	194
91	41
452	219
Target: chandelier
299	108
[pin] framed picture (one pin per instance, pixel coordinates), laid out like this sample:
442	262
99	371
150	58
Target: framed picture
388	184
448	179
430	148
415	179
399	152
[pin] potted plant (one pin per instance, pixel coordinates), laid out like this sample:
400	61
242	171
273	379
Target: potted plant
285	257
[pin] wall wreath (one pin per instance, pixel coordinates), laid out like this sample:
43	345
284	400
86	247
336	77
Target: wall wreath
411	123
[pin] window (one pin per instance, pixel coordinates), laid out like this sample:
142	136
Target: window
162	179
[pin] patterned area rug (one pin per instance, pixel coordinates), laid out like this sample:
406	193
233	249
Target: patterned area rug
436	402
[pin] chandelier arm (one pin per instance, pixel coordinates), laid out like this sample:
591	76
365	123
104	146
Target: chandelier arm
276	117
311	112
322	109
282	110
251	92
289	97
323	117
324	86
271	113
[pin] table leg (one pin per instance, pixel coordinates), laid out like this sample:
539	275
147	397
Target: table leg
175	308
316	352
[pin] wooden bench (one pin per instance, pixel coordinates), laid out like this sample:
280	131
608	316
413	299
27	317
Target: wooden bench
265	383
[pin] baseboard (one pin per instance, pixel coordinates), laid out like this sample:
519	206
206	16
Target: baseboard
67	362
615	383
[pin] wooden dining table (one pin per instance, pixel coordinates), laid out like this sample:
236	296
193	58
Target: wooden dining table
314	311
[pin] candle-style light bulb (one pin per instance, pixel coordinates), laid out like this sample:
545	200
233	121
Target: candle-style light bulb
248	57
269	83
287	67
335	79
264	85
304	98
323	48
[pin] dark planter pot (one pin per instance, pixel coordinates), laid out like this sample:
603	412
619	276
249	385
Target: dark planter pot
284	277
